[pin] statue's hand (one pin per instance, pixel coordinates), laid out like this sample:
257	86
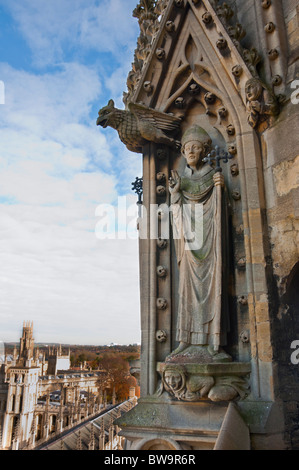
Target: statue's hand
174	182
218	179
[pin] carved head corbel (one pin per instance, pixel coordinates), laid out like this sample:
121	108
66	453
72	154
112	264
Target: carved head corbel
261	102
174	380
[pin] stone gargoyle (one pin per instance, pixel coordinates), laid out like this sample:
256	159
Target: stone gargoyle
139	125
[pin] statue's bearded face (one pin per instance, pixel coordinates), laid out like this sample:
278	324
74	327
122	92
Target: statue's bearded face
173	380
193	151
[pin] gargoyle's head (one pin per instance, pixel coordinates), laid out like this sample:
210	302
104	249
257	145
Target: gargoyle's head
106	115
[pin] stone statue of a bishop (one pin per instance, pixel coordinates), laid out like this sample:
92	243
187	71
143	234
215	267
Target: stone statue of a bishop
199	219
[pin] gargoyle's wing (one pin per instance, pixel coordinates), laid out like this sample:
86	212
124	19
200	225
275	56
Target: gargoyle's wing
163	121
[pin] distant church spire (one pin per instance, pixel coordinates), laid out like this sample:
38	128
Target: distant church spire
27	342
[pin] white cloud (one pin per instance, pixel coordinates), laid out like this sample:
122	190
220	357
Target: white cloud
75	288
57	27
56	166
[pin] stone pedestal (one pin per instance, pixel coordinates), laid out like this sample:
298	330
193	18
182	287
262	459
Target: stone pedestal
162	423
188	409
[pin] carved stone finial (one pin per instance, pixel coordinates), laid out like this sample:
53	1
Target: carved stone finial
160	6
145	10
149	14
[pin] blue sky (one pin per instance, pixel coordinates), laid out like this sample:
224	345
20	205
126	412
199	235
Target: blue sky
60	61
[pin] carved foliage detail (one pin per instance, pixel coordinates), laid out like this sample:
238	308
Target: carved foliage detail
149	14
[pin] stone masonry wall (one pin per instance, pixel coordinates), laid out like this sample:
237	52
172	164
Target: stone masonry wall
280	153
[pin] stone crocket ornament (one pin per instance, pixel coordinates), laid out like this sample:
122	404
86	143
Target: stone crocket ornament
139	125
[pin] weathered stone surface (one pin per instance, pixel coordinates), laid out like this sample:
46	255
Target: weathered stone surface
193	61
217	382
286	176
234	433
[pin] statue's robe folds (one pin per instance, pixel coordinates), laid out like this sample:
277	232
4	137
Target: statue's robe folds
202	259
